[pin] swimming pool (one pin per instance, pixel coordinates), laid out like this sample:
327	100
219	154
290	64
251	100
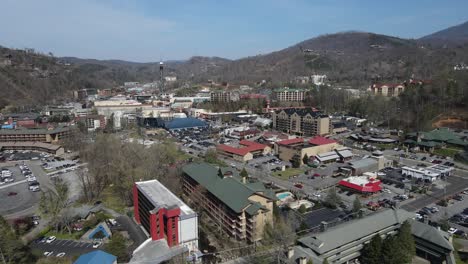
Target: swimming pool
283	195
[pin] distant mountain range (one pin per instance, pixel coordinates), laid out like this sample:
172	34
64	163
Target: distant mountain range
347	58
456	35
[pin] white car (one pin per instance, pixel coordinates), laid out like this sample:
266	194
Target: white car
8	180
452	230
387	190
48	253
61	255
97	244
51	239
31	179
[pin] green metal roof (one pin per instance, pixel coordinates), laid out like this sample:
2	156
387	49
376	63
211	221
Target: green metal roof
253	208
440	134
230	190
429	144
457	141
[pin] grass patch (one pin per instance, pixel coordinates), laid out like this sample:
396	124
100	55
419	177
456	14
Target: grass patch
287	173
112	201
448	152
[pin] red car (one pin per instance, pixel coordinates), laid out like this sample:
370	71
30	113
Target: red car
12	193
298	185
316	175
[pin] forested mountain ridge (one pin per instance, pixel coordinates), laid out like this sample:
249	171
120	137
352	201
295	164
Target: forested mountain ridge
347	58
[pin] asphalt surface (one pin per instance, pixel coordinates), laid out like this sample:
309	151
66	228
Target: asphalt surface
314	218
134	231
456	185
70	247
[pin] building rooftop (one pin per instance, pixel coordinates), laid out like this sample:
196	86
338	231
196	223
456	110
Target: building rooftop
363	163
354	230
290	141
429	233
361	183
180	123
161	197
319	140
33	131
248	146
156	251
96	257
230	190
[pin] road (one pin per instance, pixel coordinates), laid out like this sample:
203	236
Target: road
12	184
43	179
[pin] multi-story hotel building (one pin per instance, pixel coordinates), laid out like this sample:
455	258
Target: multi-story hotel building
239	207
287	94
164	216
40	135
224	96
302	121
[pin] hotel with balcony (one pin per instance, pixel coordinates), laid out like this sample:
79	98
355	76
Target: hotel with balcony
239	207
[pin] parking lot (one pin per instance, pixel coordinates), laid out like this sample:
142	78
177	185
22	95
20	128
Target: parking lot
69	247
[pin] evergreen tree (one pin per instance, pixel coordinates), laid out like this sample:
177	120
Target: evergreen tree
391	251
244	173
356	205
406	242
305	159
332	199
372	252
295	163
325	261
310	262
12	249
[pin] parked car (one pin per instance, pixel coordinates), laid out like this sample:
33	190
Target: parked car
48	253
97	244
458	198
61	255
452	230
51	239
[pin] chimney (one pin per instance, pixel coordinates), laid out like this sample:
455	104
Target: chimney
244	180
302	260
290	252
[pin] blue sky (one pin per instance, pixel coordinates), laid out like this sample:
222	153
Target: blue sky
147	30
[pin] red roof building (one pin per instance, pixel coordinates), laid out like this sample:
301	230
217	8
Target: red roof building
319	141
362	184
292	141
245	152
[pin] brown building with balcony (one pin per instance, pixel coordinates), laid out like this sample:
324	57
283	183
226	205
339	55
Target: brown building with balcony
241	208
302	121
40	135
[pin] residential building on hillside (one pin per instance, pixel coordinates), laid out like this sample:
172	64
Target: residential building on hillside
389	89
287	94
240	207
32	145
302	121
343	243
164	216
